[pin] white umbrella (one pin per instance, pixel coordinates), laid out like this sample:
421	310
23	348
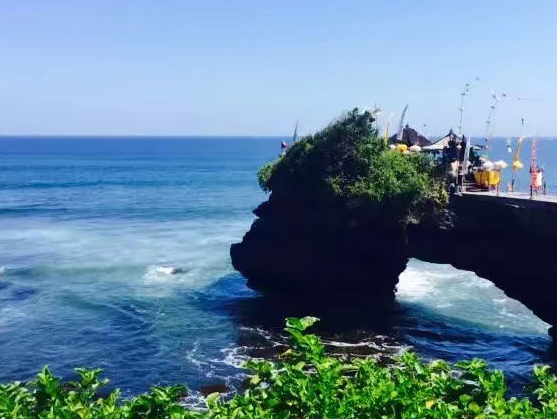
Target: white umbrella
487	165
415	148
499	164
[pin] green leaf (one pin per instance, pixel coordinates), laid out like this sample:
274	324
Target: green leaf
294	323
308	321
300	365
212	398
255	380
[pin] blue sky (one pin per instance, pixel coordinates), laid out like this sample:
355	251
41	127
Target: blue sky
254	67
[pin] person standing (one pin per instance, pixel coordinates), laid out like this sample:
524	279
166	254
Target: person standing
283	147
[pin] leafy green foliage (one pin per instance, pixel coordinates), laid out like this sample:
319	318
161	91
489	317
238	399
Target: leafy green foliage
347	162
47	398
264	174
304	383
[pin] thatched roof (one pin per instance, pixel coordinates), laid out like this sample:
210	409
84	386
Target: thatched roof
411	137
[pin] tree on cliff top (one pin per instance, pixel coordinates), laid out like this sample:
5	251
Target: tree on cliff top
347	162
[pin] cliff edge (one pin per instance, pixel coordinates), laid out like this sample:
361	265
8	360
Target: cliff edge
335	221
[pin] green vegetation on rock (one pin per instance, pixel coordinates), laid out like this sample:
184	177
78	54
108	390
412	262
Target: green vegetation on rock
304	383
348	162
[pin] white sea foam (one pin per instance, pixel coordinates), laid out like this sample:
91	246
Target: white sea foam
163	273
194	401
182	253
193	356
14	314
363	344
235	356
2	270
465	296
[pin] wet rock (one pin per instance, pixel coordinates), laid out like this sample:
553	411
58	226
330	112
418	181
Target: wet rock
217	387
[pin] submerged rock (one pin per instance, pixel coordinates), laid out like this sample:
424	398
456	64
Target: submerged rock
216	387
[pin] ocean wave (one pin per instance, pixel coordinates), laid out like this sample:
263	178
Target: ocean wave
464	297
236	356
163	272
104	183
190	253
191	275
195	400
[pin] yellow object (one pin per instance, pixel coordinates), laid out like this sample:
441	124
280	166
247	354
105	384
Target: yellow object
401	147
517	165
487	178
517	151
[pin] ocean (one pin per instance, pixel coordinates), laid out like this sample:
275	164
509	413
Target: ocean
91	229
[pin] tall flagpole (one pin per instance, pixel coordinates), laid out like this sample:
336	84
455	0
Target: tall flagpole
496	100
461	108
460	137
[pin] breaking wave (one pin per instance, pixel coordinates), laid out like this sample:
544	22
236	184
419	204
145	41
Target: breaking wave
465	297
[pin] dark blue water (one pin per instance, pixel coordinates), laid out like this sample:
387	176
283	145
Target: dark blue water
90	229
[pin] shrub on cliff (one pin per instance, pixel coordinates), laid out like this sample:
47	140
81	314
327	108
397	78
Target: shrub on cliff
304	384
347	162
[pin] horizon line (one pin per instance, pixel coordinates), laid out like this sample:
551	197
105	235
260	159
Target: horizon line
70	136
211	136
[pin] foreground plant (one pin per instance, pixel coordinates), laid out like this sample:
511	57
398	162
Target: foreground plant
303	383
47	397
309	384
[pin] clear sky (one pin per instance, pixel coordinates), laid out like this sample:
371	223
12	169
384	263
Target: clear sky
255	67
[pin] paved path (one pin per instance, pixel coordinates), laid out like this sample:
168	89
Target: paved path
515	195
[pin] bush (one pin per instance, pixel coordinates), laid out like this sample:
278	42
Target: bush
264	174
304	383
347	162
47	397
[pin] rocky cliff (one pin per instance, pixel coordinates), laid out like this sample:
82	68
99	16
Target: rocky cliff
506	240
297	247
345	214
333	223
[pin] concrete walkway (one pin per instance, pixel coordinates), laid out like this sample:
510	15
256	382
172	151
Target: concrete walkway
513	195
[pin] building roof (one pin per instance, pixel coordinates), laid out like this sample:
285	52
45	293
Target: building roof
440	144
443	142
410	137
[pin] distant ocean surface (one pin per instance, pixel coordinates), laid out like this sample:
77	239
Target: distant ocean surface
90	227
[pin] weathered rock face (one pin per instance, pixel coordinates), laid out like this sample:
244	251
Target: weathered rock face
296	247
508	241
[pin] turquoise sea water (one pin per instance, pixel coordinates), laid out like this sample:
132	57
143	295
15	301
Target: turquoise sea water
90	229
